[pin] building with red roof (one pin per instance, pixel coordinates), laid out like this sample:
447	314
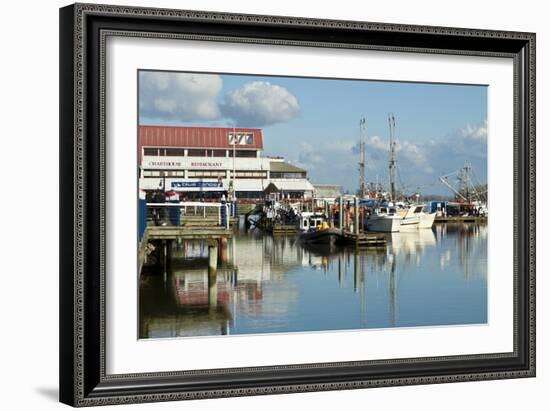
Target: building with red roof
208	162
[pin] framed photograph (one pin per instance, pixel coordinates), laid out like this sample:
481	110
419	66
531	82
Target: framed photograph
261	204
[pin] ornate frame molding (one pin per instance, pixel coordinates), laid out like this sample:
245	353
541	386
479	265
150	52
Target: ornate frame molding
82	145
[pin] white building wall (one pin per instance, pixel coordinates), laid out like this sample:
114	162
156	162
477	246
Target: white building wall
222	164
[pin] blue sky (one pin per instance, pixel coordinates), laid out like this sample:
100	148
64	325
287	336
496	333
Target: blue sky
314	123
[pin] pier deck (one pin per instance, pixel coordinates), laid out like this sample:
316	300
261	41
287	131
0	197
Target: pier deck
461	219
187	233
282	229
364	239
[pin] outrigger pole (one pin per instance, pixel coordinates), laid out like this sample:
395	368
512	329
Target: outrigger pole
362	136
393	161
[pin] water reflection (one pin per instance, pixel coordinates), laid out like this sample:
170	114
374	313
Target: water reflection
265	284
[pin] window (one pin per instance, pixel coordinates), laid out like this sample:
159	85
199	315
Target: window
249	174
196	153
277	174
175	152
243	153
174	173
163	173
206	173
150	151
219	153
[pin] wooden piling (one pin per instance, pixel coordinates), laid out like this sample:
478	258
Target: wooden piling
212	275
341	214
355	271
356	216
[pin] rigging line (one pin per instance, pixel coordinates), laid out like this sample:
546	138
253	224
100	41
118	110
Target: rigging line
400	179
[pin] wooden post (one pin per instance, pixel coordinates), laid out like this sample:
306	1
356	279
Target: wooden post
222	245
340	270
341	214
169	249
212	274
355	270
227	216
164	253
356	215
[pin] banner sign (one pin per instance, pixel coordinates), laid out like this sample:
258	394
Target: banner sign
200	184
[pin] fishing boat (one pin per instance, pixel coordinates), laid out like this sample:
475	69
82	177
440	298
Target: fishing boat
411	218
315	229
321	236
384	220
426	220
308	220
416	218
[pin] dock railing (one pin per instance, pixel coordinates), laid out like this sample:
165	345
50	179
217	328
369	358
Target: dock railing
175	214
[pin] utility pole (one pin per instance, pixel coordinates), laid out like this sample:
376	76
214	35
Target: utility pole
232	180
393	161
362	136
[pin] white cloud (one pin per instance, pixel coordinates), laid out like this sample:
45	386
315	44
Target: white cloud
309	157
478	132
377	152
415	154
260	103
179	96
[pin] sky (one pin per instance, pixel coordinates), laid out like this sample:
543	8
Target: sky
314	123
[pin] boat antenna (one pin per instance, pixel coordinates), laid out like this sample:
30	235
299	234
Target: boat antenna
393	161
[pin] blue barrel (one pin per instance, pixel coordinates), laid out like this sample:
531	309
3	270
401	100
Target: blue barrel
174	214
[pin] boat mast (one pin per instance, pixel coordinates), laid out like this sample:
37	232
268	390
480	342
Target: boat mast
362	136
392	162
467	190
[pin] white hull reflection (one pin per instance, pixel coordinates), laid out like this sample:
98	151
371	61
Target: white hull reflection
413	242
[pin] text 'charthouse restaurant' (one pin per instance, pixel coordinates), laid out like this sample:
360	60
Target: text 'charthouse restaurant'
209	162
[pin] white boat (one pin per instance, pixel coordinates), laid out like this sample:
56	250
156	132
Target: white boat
411	219
416	218
384	220
426	220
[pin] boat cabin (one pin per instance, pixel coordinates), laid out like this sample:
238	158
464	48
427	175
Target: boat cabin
386	210
308	220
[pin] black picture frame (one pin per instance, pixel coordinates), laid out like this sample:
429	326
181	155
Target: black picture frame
83	29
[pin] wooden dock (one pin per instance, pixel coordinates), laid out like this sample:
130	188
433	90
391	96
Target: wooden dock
461	219
283	229
187	233
364	239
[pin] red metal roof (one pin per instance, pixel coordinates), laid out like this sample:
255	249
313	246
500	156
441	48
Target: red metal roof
194	137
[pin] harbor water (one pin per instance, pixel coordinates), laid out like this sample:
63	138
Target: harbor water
266	284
